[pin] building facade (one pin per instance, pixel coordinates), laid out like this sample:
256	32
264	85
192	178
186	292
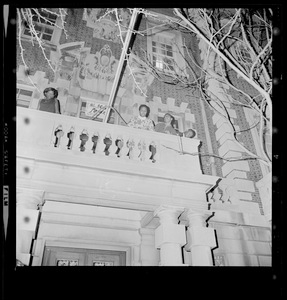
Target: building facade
83	198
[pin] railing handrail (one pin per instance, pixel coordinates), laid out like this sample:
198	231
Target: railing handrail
88	123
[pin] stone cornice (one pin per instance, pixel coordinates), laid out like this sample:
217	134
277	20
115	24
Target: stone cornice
29	198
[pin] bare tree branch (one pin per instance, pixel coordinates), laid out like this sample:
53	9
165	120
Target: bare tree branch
239	71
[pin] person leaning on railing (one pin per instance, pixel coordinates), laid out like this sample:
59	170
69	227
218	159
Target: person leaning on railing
142	121
168	126
50	103
189	133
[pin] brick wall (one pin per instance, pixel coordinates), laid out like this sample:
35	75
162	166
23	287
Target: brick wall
34	59
245	137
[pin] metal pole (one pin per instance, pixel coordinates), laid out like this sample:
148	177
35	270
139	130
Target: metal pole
120	65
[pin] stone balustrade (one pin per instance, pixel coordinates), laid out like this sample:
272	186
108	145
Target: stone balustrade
85	138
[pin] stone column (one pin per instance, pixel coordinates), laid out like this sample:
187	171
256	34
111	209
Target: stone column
170	236
200	239
27	214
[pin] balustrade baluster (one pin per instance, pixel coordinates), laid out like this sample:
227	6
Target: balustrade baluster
142	148
58	133
153	150
130	144
71	136
108	142
119	143
84	137
126	145
95	139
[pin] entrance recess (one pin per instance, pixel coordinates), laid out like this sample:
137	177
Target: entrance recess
60	256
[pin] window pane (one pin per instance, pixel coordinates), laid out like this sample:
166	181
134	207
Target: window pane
153	59
38	27
159	64
48	30
43	21
168	47
48	16
52	18
26	25
44	14
27	32
46	37
23	103
35	18
26	92
163	52
169	53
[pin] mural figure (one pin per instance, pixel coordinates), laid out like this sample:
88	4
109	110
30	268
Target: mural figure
97	71
105	24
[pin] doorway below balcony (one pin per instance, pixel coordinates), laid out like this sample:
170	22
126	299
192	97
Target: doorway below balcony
66	256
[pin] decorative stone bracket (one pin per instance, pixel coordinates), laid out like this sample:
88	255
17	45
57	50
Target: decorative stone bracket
225	192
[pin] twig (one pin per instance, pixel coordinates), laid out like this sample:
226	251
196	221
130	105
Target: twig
235	68
258	57
22	49
230	159
230	28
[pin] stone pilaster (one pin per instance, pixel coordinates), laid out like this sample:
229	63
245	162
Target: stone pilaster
149	255
170	236
200	239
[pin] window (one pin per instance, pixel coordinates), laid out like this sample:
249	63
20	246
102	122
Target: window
43	26
165	49
47	26
162	55
23	97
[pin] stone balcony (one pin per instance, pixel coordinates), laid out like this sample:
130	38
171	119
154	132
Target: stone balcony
82	161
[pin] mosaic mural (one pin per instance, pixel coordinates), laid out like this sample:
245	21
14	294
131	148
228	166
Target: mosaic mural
104	24
77	67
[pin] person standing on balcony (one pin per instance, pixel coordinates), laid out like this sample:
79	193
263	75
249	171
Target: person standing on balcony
50	103
167	126
142	121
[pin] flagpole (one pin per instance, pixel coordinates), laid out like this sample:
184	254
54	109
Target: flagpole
120	65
